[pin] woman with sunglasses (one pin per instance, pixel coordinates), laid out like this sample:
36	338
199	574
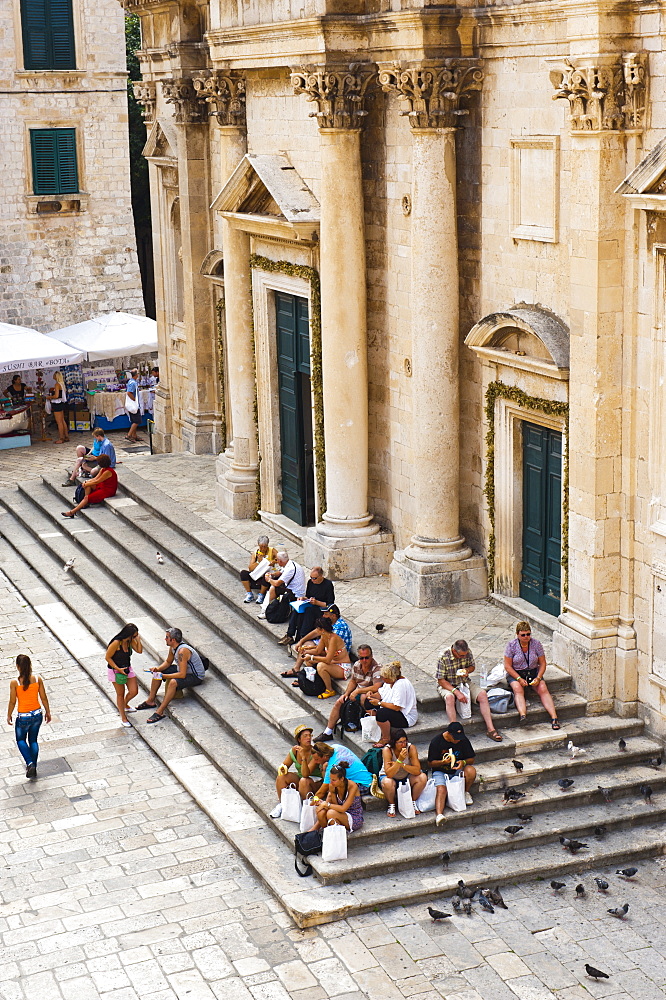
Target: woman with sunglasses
525	665
366	679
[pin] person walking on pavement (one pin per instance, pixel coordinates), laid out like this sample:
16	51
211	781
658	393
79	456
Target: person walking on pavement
30	694
119	668
132	392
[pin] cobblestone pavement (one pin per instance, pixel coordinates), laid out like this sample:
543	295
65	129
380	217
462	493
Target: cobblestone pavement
114	884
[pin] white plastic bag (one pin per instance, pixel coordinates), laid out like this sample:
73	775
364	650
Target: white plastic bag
464	708
426	800
131	405
405	803
370	731
308	815
455	792
334	842
496	676
290	800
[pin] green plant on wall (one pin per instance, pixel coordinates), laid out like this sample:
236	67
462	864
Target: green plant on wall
219	309
310	275
498	390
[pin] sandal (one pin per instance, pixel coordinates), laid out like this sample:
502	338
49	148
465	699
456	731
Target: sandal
522	721
144	705
555	724
288	673
156	717
66	513
390	812
492	734
326	694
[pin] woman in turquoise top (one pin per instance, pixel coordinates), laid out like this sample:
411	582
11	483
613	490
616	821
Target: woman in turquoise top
299	758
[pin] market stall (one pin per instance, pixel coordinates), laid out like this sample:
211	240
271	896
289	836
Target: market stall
112	337
23	350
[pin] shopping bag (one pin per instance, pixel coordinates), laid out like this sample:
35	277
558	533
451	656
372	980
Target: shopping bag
370	731
308	815
426	800
405	802
131	405
455	792
290	801
334	843
464	708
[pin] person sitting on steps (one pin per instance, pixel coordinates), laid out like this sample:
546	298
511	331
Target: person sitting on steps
288	576
320	594
187	671
459	657
262	551
309	642
308	776
98	489
86	461
525	665
343	802
365	680
394	705
452	741
330	657
400	762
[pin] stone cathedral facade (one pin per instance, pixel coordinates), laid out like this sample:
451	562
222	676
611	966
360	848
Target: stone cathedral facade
411	267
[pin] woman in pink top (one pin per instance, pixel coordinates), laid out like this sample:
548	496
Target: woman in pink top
525	665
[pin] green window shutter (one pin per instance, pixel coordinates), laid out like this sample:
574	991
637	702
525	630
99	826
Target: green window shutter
48	34
54	168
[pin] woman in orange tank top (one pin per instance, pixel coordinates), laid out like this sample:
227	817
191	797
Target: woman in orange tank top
29	694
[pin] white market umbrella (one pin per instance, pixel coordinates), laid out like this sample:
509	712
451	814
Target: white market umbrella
23	349
111	335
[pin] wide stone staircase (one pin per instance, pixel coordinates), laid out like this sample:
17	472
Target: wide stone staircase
227	737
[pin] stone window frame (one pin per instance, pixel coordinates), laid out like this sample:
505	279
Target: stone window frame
72	204
539	234
80	49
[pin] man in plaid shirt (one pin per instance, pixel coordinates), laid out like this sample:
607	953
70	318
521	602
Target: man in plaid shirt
340	626
459	657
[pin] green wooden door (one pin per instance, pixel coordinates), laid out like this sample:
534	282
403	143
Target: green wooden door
542	517
293	346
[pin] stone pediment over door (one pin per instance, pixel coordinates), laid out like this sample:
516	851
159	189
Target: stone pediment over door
645	186
266	196
527	337
162	142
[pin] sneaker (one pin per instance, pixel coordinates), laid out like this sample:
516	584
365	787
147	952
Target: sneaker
31	771
469	801
286	640
277	812
323	738
259	599
249	598
128	708
126	724
439	819
261	616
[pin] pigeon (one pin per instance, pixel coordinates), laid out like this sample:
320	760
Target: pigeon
619	911
596	973
602	884
496	898
518	764
627	872
437	914
576	845
525	817
565	784
654	762
513	795
600	831
456	903
467	907
486	905
580	890
622	745
380	627
160	558
466	891
512	830
557	885
606	793
574	750
68	565
564	841
646	792
446	857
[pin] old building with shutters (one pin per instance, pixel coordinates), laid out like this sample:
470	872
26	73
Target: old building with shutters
411	280
67	244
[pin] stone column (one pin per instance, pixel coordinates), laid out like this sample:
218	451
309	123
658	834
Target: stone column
201	422
596	641
346	541
437	567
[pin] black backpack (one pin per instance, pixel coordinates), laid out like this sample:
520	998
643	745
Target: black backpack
350	714
305	844
311	688
278	611
79	493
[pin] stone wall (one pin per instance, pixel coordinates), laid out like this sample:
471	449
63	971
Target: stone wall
57	269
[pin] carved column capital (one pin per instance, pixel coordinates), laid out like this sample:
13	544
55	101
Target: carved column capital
224	93
190	108
605	93
433	91
145	93
339	93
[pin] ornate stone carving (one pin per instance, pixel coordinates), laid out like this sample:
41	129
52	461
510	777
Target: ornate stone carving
224	93
605	95
145	94
433	92
338	92
190	107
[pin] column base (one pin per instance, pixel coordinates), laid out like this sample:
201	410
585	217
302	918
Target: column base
235	490
429	585
348	558
161	443
587	648
201	435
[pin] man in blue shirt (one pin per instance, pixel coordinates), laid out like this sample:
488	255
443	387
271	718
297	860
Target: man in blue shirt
86	461
132	391
340	626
